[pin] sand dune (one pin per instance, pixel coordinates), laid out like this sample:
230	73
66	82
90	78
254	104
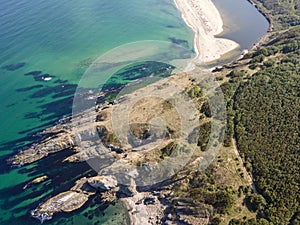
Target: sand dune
203	17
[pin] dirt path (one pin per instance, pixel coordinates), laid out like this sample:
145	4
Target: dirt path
248	175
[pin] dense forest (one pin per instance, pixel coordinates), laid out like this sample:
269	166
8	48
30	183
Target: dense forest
262	91
265	103
282	13
263	100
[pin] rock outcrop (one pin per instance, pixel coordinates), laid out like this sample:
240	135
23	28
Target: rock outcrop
125	154
103	183
52	144
63	202
76	197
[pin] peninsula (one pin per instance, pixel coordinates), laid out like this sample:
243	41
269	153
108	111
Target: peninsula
205	20
139	173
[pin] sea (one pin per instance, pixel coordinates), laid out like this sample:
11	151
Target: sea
45	49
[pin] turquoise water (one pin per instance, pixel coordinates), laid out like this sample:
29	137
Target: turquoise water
59	39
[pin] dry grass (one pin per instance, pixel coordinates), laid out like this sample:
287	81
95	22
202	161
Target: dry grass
230	172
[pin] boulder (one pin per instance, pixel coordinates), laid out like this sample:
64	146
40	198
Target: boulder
103	183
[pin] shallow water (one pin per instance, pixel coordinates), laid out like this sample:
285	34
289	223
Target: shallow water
60	39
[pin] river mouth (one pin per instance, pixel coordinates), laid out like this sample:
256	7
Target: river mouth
243	23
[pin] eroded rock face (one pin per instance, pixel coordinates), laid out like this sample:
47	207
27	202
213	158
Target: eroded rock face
76	197
118	159
103	183
48	146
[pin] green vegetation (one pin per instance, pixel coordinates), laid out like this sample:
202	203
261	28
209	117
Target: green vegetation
205	109
267	129
204	135
201	135
106	137
256	202
262	93
195	92
264	115
201	189
283	13
168	150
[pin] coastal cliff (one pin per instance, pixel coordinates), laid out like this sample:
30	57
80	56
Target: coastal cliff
122	159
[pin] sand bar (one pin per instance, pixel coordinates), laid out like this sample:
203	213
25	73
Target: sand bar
205	20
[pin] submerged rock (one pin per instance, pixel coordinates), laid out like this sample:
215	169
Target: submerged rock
36	181
14	67
39	75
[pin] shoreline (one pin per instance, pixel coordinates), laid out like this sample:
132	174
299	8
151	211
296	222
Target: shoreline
135	213
264	12
205	20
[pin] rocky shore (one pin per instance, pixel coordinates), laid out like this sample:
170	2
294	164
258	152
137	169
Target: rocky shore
128	170
76	197
50	145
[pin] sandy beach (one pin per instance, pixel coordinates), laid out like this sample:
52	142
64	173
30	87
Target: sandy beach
205	20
